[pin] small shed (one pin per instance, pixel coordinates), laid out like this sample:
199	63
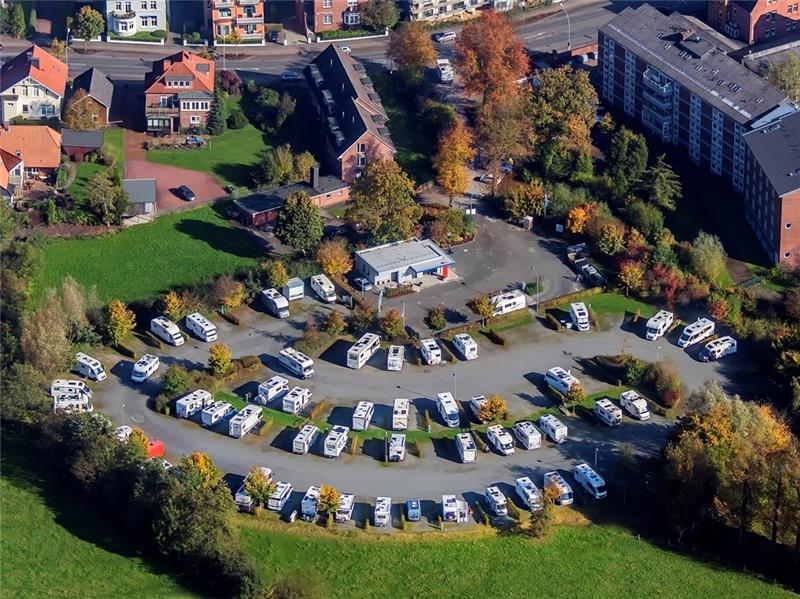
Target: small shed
77	144
295	289
141	196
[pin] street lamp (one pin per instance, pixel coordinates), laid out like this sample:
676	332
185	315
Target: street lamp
595	457
123	415
533	268
569	27
455	388
658	353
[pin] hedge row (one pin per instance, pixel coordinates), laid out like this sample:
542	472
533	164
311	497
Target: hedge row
570	297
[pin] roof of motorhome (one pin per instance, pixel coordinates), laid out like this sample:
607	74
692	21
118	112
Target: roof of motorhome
274	381
366	339
465	338
146	360
395	349
721	342
308	429
397	438
506	295
383	503
418	255
659	316
466	440
589	473
698	324
293	353
526	483
281	488
321	279
526	426
400	404
363	407
578	307
605	403
196	394
200	319
551	419
429	343
561	374
272	293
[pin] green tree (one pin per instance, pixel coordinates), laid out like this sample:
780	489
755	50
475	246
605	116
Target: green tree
435	318
522	199
89	24
380	14
217	124
119	321
503	133
286	107
302	164
58	49
626	160
709	261
267	103
198	470
24	396
391	323
175	381
662	184
647	218
33	21
277	166
785	75
44	340
542	519
299	223
219	359
106	197
277	275
16	23
612	238
258	485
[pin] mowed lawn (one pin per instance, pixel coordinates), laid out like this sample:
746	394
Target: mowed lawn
141	262
87	170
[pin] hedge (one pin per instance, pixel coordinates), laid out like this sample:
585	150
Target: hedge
570	297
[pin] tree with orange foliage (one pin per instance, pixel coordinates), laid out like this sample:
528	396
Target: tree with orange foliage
454	151
503	132
577	219
411	48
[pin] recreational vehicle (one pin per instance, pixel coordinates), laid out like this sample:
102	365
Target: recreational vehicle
383	512
362	415
166	330
430	351
552	427
123	433
700	329
68	387
308	506
528	435
295	289
347	501
580	316
466	447
496	501
244	421
71	397
634	404
608	412
275	303
322	286
305	439
475	405
454	510
499	437
508	302
529	493
466	346
89	367
192	403
215	412
560	380
397	448
335	441
296	400
298	364
395	358
280	495
144	367
271	389
201	327
413	510
563	492
586	477
448	409
360	353
243	500
445	70
400	414
658	325
719	348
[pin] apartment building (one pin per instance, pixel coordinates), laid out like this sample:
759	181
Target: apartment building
125	18
432	10
246	17
327	15
754	21
32	85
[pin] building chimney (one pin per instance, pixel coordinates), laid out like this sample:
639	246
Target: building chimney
18	153
314	179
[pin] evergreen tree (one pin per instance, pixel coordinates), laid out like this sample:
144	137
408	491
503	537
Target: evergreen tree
216	118
299	223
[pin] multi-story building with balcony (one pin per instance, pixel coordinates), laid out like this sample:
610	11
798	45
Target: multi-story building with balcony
245	17
431	10
125	18
754	21
327	15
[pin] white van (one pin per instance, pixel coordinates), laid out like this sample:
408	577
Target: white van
634	404
719	348
496	501
563	492
608	412
335	441
529	493
553	428
508	302
527	434
215	412
467	450
271	389
344	513
296	400
362	350
244	421
586	477
322	286
700	329
362	415
242	498
201	327
445	70
305	439
123	433
166	330
400	414
560	380
448	409
308	506
382	516
466	346
69	387
275	303
144	367
397	448
454	510
71	397
395	358
297	363
475	405
658	325
192	403
580	316
430	351
499	437
89	367
280	496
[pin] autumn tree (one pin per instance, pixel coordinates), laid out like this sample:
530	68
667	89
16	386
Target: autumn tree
363	317
575	396
522	199
334	257
119	321
172	306
106	197
577	219
335	323
299	223
139	440
631	274
785	75
379	15
258	486
661	184
227	292
435	318
277	275
391	323
219	359
454	152
482	306
503	132
612	238
328	500
411	48
198	470
44	339
493	409
276	166
89	24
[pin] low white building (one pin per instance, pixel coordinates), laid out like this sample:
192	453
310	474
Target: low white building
126	18
402	261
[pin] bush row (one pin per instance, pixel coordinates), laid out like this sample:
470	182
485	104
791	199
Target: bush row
570	297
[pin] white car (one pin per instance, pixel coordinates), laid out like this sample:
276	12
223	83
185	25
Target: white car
444	36
291	75
362	284
346	49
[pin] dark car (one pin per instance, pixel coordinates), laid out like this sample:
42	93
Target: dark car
272	36
186	193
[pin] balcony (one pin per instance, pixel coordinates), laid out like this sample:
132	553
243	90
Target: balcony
161	110
251	20
655	82
660	103
258	35
660	124
221	3
123	15
249	2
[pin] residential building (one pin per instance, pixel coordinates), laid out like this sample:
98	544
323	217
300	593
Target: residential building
432	10
178	93
32	85
99	91
327	15
350	113
663	72
27	152
246	17
772	188
755	21
125	18
402	262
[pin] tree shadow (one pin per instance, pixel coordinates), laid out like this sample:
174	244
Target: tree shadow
220	238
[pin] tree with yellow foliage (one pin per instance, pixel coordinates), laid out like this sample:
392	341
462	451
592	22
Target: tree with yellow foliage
172	306
493	409
576	220
334	257
455	150
119	321
219	359
139	440
198	471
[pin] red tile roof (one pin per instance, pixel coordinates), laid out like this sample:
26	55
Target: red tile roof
38	145
183	64
51	72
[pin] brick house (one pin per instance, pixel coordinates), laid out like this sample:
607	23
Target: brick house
350	113
328	15
246	17
99	91
178	93
27	152
754	21
32	85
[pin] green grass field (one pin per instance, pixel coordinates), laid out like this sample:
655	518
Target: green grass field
141	262
87	170
615	304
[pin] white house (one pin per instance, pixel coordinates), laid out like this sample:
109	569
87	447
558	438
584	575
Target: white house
32	85
129	17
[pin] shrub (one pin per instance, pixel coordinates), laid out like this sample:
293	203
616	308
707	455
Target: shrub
219	359
237	120
479	442
334	324
482	515
248	362
175	381
667	382
593	319
435	318
162	403
513	511
363	318
319	409
159	34
635	371
426	420
391	323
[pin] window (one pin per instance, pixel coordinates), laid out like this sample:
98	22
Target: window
362	148
24	108
788	225
128	7
48	109
327	3
164	102
327	19
787	254
194	119
352	3
153	5
352	18
144	4
118	6
225	12
123	26
144	21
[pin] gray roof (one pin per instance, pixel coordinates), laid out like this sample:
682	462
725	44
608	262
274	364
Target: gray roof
674	45
140	191
777	149
81	139
272	199
420	256
97	85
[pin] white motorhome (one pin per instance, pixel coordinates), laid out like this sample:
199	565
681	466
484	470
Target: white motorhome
608	412
586	477
499	437
201	327
700	329
166	330
397	448
243	500
445	70
528	435
430	351
344	513
508	302
335	441
275	303
296	400
215	412
466	346
144	367
400	414
363	349
496	501
123	433
553	428
448	409
297	363
64	387
560	380
383	512
89	367
271	389
719	348
244	421
454	510
192	403
658	325
467	450
634	404
475	405
580	316
308	506
71	397
395	358
362	415
280	496
563	492
322	286
305	439
529	493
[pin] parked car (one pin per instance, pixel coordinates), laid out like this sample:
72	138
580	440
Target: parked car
488	178
346	49
194	142
185	192
444	36
362	284
291	75
272	36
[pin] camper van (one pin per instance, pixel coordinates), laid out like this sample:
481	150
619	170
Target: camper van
215	412
397	448
192	403
308	506
201	327
553	428
244	421
658	325
560	380
280	495
467	450
608	412
413	510
275	303
475	405
563	492
580	316
362	415
508	302
400	414
700	329
454	510
71	397
529	493
322	286
271	389
499	437
243	500
296	400
586	477
634	404
305	439
528	435
298	364
466	346
295	289
144	367
430	351
123	433
335	441
382	516
360	353
719	348
344	513
448	409
395	358
445	70
496	501
89	367
166	330
64	387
